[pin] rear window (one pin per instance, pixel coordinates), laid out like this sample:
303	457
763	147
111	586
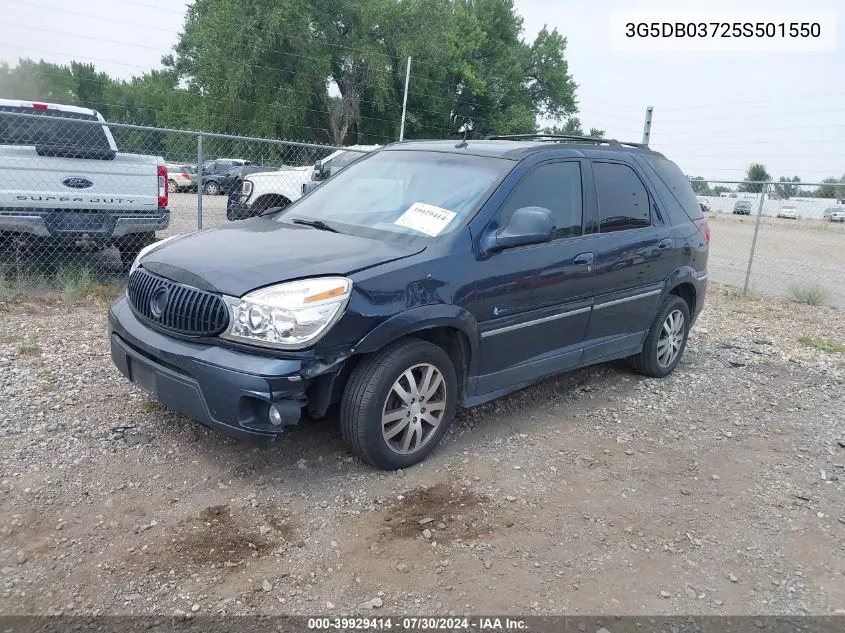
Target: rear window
678	185
51	128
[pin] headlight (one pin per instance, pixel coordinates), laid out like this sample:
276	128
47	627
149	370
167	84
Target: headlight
289	315
246	188
147	250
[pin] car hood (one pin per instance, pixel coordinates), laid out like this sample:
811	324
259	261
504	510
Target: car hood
240	257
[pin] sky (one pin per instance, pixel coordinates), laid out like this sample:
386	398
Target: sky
714	112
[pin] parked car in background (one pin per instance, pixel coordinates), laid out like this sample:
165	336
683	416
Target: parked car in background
788	212
742	207
63	181
704	206
230	179
267	190
834	214
424	277
211	169
181	178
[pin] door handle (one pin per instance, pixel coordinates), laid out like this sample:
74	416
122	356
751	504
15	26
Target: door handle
666	242
584	258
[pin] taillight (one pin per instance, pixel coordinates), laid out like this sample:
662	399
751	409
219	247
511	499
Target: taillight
162	186
186	175
39	106
704	227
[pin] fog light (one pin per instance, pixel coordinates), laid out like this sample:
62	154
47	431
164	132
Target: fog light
275	416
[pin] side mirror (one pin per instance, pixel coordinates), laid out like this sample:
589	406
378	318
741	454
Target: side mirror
321	171
527	225
308	187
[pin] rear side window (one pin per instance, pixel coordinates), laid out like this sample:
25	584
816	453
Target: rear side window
674	179
51	128
623	199
553	186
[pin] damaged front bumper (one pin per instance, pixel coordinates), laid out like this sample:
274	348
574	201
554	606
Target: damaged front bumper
246	396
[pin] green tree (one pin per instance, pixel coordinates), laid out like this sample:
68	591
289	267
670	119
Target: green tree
273	67
789	189
756	173
700	186
831	188
718	190
573	127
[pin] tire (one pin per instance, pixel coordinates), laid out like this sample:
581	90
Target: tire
653	360
130	246
369	392
171	186
211	188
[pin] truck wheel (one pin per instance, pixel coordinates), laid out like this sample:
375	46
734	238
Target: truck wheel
130	246
398	403
211	188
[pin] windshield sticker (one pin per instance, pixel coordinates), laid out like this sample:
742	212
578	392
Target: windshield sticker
426	218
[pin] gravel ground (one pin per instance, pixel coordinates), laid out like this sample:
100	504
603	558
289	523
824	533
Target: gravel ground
718	490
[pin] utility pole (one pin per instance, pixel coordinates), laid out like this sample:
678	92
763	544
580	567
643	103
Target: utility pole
647	125
405	100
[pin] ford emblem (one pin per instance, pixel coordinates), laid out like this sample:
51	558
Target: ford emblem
77	183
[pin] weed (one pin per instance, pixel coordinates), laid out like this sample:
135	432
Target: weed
824	344
75	282
29	347
811	294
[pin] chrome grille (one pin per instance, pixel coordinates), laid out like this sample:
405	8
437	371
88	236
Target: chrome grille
176	307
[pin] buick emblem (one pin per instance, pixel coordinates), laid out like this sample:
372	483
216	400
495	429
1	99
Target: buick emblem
158	302
77	182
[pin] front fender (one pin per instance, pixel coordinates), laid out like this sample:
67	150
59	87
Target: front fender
423	318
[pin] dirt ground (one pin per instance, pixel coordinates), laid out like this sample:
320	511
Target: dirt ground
718	490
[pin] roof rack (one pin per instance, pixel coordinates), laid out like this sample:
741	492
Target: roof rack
561	137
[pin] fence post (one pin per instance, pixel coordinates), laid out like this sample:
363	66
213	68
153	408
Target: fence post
754	239
199	182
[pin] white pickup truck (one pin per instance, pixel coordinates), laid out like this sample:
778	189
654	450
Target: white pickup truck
270	189
63	181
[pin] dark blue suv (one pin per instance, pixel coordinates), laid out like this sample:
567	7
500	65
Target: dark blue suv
426	276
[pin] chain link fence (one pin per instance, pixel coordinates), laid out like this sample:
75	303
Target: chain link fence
80	197
777	239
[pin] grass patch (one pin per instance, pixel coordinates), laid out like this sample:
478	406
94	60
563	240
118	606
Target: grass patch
6	290
151	406
810	294
824	344
75	282
29	348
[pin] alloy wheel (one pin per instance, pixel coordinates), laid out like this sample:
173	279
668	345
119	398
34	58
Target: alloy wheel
413	409
671	339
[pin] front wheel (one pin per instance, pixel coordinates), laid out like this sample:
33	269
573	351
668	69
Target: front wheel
211	188
666	339
399	403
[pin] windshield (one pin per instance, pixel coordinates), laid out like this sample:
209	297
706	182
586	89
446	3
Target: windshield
402	195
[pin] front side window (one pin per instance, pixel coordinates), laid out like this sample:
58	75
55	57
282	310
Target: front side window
552	186
402	195
623	199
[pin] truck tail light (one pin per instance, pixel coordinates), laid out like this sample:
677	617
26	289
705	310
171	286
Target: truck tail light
704	227
162	186
186	175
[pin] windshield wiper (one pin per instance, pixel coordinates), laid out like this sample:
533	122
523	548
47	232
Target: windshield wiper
317	224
